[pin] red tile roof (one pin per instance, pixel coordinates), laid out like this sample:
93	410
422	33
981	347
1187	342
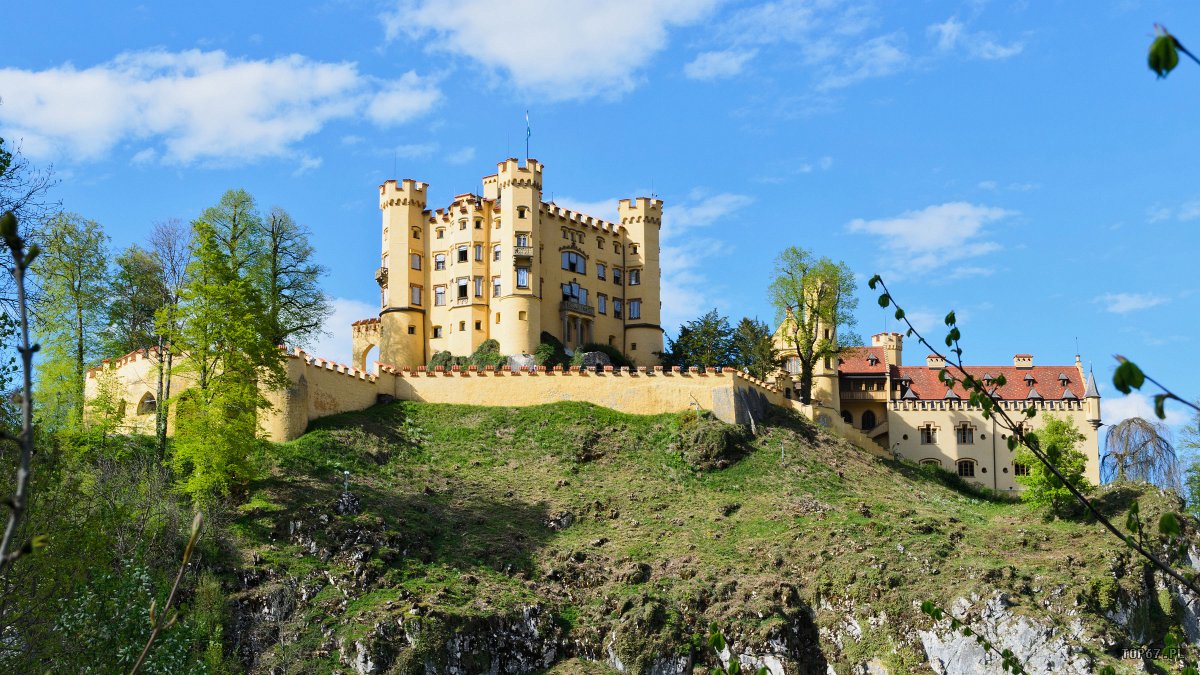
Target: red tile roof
925	383
856	361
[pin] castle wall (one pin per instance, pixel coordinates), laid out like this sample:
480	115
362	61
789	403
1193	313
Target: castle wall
137	373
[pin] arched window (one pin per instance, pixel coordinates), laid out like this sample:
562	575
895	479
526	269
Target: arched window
847	417
147	405
966	468
868	420
416	233
932	462
574	262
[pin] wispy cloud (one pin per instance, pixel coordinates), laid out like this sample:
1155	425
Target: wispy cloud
686	289
1123	303
719	64
334	343
936	235
557	50
952	35
196	106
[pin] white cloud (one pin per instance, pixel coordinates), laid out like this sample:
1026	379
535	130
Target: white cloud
715	65
307	164
195	105
1189	211
1136	404
1156	214
952	35
556	49
1122	303
686	290
701	211
334	344
878	57
936	235
461	156
416	150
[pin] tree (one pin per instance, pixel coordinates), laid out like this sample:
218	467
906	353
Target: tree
1057	440
706	342
138	292
296	307
753	348
73	276
171	242
814	302
1138	449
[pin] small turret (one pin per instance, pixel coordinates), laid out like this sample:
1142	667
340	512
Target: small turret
893	346
1091	398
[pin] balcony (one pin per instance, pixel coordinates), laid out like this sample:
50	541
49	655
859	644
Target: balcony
577	307
381	276
879	395
522	251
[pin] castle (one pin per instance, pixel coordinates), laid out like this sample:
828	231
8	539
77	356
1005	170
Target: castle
507	266
869	394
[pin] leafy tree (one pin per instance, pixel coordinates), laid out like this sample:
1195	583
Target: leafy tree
73	276
296	307
106	410
706	341
753	348
814	302
171	242
137	293
1057	440
1138	449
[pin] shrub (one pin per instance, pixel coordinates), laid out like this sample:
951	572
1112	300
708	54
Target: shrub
708	443
487	354
618	359
550	352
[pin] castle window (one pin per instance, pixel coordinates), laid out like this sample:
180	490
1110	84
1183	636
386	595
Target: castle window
966	468
847	417
479	287
462	254
439	296
479	224
147	405
522	240
868	420
828	363
635	309
383	296
616	247
384	262
633	249
633	347
478	325
522	211
416	233
635	277
496	252
441	233
497	318
416	261
573	293
462	325
574	262
617	308
602	303
522	277
437	331
1020	469
496	287
522	316
478	252
462	288
793	364
415	294
412	330
617	276
928	434
462	224
965	434
439	261
932	462
600	243
601	270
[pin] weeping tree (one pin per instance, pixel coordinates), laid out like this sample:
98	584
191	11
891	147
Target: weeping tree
1139	449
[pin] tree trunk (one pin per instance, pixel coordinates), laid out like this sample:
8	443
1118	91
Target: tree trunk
806	382
160	416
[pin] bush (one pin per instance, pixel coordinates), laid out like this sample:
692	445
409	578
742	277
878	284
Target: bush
446	360
487	354
708	443
618	359
550	352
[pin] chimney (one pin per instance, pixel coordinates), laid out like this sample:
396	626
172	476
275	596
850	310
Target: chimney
935	361
1023	361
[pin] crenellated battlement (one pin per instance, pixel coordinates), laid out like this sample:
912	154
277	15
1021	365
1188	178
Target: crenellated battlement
581	219
122	361
510	173
405	193
316	363
640	209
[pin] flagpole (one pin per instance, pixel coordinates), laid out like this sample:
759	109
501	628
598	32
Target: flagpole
528	133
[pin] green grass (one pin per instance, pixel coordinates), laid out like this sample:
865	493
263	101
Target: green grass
457	499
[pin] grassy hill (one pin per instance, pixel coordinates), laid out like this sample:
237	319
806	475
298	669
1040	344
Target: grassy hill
570	538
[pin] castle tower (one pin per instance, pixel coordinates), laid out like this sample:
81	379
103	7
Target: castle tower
825	386
517	311
893	345
404	293
642	220
1091	398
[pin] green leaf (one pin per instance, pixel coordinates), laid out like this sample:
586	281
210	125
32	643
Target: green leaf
1012	442
927	607
873	281
1128	376
8	225
899	314
884	300
1168	524
950	320
1000	381
734	667
967	631
1163	56
1160	401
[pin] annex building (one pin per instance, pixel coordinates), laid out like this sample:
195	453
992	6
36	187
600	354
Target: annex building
507	266
910	412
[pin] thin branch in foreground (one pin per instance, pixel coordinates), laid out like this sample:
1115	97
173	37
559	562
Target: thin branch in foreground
992	407
157	619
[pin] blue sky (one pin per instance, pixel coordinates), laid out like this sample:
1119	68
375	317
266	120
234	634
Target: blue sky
1016	162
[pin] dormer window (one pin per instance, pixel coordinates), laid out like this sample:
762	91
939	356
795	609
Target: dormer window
872	359
1028	378
1063	379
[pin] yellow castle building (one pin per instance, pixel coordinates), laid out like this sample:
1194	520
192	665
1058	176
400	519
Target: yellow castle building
507	266
869	393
